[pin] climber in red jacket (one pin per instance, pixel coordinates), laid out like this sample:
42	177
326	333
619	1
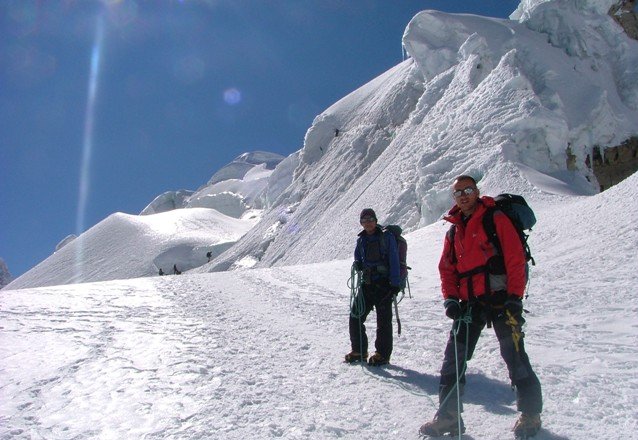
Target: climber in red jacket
481	287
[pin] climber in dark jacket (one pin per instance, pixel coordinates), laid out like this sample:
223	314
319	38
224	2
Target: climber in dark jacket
377	258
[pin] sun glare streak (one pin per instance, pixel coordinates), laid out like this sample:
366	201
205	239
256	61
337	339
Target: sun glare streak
87	140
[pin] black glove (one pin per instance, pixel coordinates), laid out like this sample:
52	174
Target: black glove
452	308
514	305
358	266
394	290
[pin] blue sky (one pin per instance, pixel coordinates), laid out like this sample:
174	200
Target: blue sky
180	89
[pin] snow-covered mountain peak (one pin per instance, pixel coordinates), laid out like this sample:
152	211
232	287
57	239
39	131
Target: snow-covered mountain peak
493	98
243	163
520	105
527	8
235	188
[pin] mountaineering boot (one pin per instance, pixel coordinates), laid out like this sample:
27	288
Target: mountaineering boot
527	426
446	423
376	359
355	356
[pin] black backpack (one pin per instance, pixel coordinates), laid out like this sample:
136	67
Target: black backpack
521	215
402	246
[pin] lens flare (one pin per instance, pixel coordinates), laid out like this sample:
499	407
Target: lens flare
87	140
232	96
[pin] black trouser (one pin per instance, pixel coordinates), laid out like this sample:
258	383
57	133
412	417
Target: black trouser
508	329
377	296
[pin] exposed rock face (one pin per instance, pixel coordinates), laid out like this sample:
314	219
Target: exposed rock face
613	164
625	14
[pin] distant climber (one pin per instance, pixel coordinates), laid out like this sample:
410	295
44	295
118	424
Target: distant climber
161	272
209	255
175	270
336	132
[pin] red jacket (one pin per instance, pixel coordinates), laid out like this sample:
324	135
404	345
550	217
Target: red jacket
472	249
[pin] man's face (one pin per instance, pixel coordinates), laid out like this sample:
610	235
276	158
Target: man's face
465	195
369	224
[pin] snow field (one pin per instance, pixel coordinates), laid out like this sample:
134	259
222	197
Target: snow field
258	353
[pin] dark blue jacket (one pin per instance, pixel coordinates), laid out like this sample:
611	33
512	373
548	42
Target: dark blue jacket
380	254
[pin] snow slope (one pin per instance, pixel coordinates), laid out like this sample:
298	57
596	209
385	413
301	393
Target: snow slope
126	246
258	353
177	228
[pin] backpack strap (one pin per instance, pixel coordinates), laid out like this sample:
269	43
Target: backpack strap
450	235
490	229
383	243
359	249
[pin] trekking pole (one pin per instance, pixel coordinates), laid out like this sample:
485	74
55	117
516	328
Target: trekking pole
456	369
396	310
467	319
396	302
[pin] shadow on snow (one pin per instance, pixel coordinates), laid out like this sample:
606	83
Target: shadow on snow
494	396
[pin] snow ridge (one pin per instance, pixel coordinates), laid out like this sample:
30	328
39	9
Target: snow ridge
510	102
498	99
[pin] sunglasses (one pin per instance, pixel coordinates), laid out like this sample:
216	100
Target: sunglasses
367	220
467	191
